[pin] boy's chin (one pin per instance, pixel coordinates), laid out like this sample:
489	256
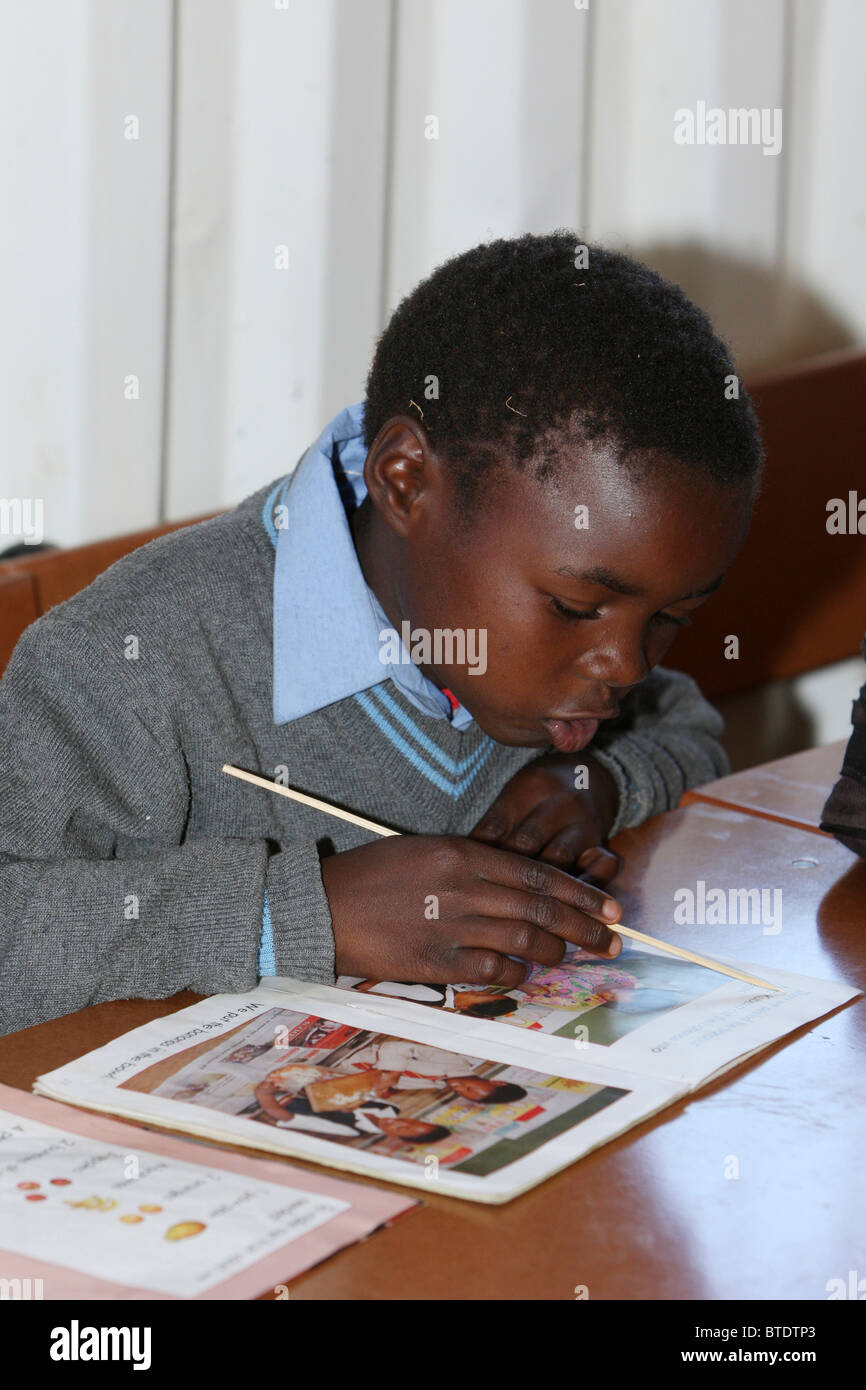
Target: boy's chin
510	734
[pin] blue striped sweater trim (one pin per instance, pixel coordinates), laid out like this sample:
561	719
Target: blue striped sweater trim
267	958
380	693
472	764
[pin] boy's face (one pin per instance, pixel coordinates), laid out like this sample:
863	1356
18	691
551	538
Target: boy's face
650	548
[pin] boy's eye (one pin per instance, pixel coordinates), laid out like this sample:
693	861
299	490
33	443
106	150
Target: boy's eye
571	614
574	614
684	621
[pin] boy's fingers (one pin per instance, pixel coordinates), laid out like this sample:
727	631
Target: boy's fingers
598	865
480	967
494	825
564	848
509	870
536	830
555	918
512	936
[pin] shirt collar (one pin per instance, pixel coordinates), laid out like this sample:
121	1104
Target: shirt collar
327	620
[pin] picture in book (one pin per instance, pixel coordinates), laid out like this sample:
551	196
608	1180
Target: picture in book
586	996
373	1091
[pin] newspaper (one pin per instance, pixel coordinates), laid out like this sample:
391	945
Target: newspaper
431	1090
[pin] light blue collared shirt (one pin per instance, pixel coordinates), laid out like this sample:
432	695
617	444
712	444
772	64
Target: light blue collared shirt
327	620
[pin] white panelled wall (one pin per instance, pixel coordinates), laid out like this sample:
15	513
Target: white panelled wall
212	207
85	118
279	227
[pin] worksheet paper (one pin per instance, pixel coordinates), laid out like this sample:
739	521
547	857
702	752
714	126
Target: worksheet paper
90	1208
431	1095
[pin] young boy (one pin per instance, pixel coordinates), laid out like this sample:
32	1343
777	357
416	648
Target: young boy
548	476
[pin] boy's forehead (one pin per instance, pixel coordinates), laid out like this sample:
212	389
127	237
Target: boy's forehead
618	497
606	524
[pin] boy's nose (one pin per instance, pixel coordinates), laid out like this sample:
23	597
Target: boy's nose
618	668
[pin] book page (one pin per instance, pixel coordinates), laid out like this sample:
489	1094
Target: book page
646	1010
285	1073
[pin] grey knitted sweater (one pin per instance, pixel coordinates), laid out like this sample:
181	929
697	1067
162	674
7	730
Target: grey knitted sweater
130	866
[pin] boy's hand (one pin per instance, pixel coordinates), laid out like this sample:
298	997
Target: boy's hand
540	812
448	909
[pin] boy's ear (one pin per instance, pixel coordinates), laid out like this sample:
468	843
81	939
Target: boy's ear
400	468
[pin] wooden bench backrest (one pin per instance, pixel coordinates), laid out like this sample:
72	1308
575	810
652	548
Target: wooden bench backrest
796	594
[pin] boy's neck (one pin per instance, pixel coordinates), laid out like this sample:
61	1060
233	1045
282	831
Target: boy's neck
374	544
372	550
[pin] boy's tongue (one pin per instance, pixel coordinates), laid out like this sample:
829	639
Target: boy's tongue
569	735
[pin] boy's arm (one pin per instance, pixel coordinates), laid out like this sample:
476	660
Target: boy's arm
102	896
665	741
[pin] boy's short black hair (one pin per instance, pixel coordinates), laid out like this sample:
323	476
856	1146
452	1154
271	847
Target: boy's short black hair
530	352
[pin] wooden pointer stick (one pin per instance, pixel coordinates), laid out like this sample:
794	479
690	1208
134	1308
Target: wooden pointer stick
377	829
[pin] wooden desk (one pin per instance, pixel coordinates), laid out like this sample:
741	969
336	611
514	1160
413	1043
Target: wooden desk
651	1215
791	790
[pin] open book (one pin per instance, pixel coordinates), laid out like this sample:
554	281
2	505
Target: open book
474	1093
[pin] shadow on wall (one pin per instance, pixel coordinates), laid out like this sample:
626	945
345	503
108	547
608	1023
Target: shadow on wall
768	318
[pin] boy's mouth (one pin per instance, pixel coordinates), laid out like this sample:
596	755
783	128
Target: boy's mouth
570	735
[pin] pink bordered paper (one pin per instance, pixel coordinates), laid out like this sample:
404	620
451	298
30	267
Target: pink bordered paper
368	1208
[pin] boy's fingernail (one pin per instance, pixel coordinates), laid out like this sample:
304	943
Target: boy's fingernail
611	910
